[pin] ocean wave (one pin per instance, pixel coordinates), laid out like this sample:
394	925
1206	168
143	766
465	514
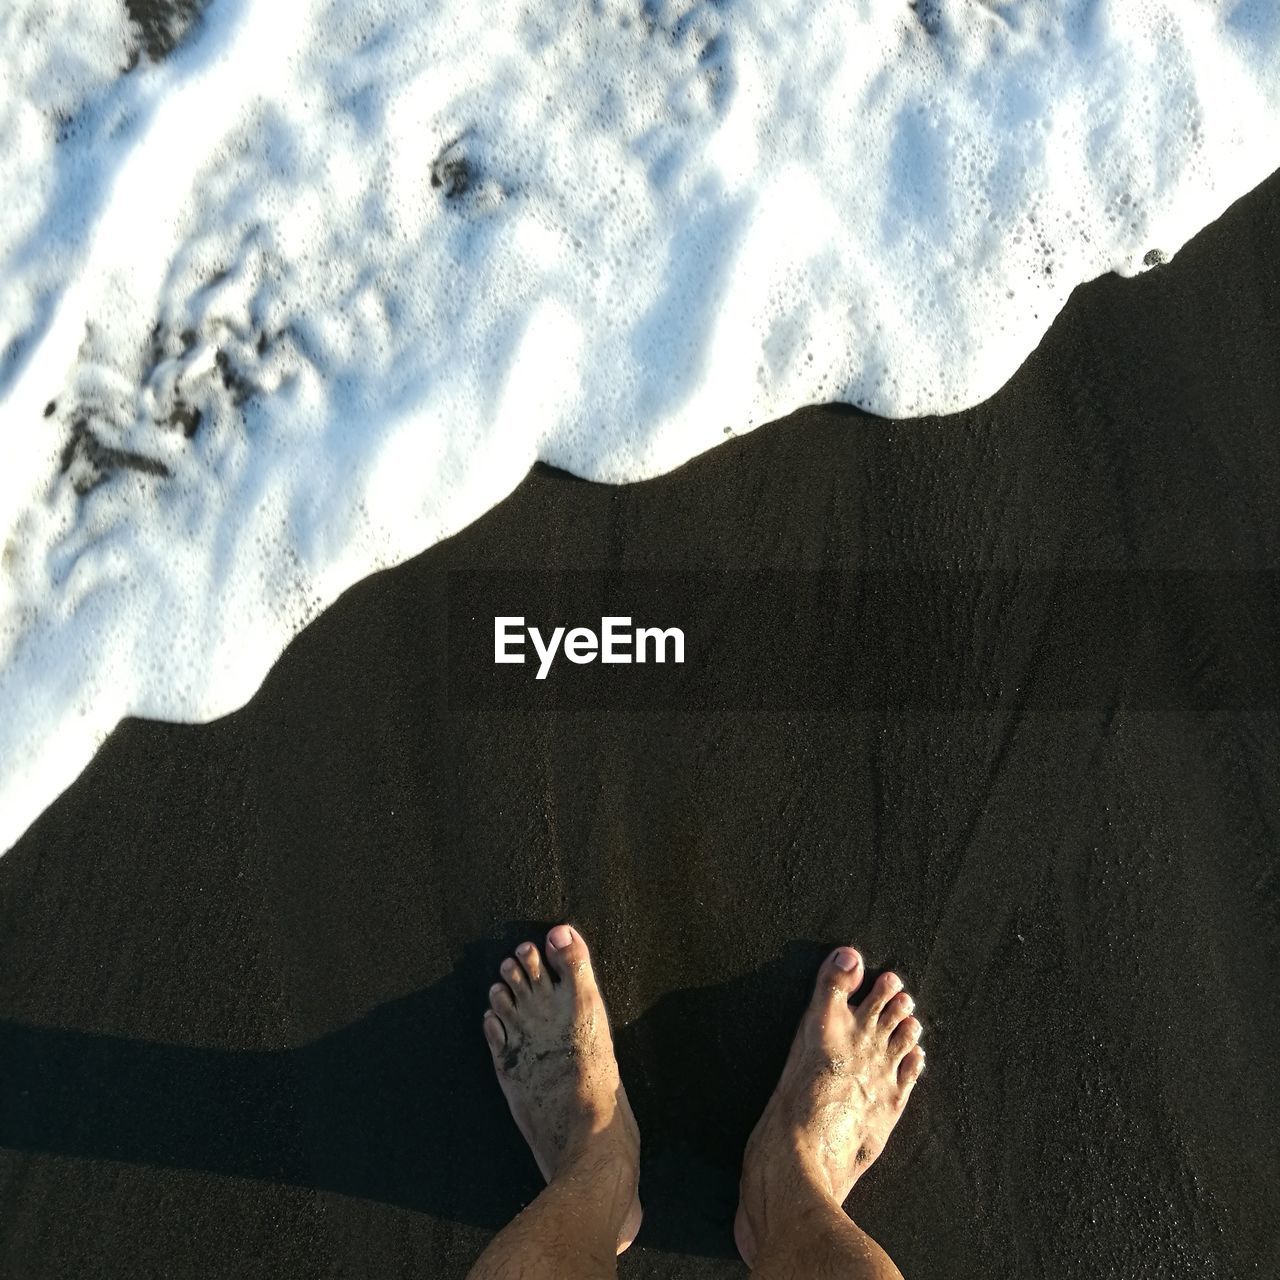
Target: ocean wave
290	292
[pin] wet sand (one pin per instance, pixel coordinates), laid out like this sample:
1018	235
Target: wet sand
994	697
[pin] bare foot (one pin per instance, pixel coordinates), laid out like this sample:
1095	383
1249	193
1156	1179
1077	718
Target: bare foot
846	1082
549	1034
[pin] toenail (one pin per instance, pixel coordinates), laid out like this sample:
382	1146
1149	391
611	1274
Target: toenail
525	950
845	959
560	937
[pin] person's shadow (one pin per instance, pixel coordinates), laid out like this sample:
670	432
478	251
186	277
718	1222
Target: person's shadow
402	1106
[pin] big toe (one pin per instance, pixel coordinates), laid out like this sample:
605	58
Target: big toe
839	977
567	954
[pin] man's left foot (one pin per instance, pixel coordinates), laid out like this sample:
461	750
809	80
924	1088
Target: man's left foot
848	1077
549	1035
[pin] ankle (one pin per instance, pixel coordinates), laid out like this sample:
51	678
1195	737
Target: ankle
785	1167
605	1168
783	1195
608	1147
802	1226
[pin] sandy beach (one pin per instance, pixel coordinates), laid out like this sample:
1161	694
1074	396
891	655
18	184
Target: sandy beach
993	697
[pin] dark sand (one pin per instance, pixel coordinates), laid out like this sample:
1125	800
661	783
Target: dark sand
995	698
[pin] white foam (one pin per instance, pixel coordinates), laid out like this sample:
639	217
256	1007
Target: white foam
678	219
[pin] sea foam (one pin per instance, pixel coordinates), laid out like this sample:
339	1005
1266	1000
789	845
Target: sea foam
315	288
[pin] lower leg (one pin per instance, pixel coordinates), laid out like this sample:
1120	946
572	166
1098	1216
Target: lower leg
845	1084
553	1053
816	1240
571	1231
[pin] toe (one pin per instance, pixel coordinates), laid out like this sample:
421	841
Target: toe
839	977
885	987
909	1070
898	1008
494	1033
501	1002
514	977
904	1037
528	956
567	954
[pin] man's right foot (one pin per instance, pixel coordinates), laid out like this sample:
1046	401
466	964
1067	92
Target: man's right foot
846	1082
547	1029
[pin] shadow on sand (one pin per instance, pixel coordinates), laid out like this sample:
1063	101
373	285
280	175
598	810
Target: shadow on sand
402	1106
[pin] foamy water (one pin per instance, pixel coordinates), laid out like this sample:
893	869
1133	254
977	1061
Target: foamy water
318	288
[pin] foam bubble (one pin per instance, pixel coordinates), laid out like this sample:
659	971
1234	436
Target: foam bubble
288	293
